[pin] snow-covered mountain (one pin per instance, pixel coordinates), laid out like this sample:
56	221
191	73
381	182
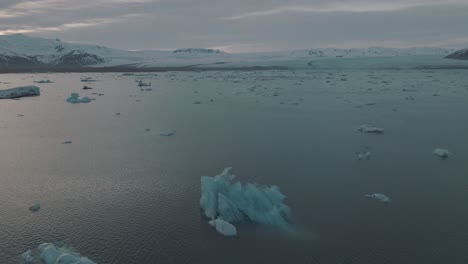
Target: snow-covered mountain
29	53
19	51
459	55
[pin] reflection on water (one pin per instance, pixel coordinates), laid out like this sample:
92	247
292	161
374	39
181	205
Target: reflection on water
121	193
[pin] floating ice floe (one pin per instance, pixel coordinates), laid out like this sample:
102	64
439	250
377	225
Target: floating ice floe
21	91
234	202
87	79
442	153
27	257
75	99
143	84
85	99
364	155
223	227
44	81
167	133
35	207
48	253
370	129
379	197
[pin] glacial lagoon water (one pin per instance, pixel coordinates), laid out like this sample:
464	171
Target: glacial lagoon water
121	193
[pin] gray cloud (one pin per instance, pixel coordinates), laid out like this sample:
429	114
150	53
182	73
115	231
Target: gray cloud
241	25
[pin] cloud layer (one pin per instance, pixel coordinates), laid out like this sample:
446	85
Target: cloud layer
242	25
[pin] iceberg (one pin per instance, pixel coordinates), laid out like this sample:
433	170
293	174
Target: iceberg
87	79
21	91
370	129
35	207
167	133
85	99
75	99
223	227
364	155
49	253
143	84
379	197
44	81
442	153
234	202
27	257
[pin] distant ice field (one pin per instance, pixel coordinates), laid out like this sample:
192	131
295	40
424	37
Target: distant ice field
121	193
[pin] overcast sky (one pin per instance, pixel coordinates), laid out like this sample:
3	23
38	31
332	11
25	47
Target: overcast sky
241	25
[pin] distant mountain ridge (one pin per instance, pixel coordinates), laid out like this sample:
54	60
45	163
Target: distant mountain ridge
459	55
25	53
198	51
20	51
371	52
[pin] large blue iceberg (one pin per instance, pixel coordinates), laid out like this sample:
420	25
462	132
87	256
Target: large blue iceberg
234	202
48	253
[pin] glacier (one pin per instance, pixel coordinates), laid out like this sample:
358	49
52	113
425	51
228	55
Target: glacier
20	52
49	253
234	202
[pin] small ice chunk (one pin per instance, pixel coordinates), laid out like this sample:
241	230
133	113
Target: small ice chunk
143	84
370	129
75	99
167	133
44	81
380	197
442	153
364	155
87	79
35	207
85	100
49	253
223	227
27	257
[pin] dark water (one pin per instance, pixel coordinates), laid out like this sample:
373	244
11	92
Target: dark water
120	194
